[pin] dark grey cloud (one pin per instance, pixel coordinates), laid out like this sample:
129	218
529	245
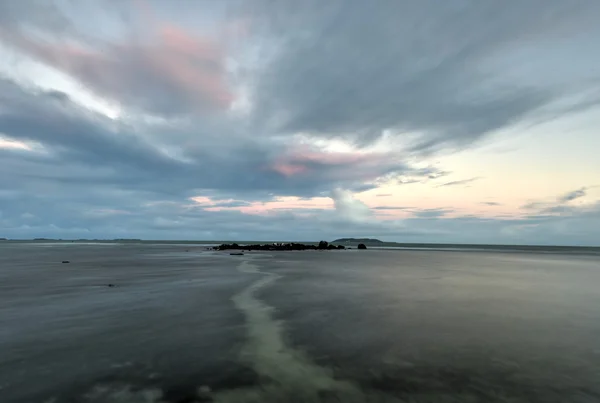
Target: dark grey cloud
431	213
78	147
570	196
460	182
391	208
73	133
417	67
232	203
558	206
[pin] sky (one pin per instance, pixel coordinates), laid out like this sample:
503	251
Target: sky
463	121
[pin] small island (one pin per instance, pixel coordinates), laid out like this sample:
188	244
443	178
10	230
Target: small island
358	241
276	246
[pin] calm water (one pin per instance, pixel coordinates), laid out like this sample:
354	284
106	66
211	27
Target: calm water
185	325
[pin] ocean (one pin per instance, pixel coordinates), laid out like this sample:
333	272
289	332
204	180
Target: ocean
143	322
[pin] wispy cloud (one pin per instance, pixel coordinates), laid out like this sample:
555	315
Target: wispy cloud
460	182
430	89
575	194
560	205
491	203
533	205
391	208
432	213
408	181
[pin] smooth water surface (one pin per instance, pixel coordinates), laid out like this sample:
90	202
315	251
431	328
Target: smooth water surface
182	324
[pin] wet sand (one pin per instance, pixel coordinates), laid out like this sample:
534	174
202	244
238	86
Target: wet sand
388	326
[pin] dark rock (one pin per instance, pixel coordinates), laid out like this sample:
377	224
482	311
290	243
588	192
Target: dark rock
341	247
111	285
323	245
66	261
188	399
362	246
204	393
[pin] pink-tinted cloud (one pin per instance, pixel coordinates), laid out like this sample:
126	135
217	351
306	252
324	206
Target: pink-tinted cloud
288	169
264	208
360	165
171	72
195	63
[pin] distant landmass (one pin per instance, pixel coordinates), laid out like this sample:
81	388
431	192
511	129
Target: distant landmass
366	241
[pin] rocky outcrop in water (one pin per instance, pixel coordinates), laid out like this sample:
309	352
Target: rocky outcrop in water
362	246
323	245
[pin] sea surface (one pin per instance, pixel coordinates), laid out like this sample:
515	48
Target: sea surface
127	322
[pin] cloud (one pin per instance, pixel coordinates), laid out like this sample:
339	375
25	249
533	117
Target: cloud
71	132
308	162
460	182
570	196
559	205
38	13
334	79
348	207
329	80
109	152
346	169
169	72
407	181
439	174
492	204
431	213
533	205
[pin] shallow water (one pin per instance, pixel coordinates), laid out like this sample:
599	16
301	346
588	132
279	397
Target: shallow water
182	325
